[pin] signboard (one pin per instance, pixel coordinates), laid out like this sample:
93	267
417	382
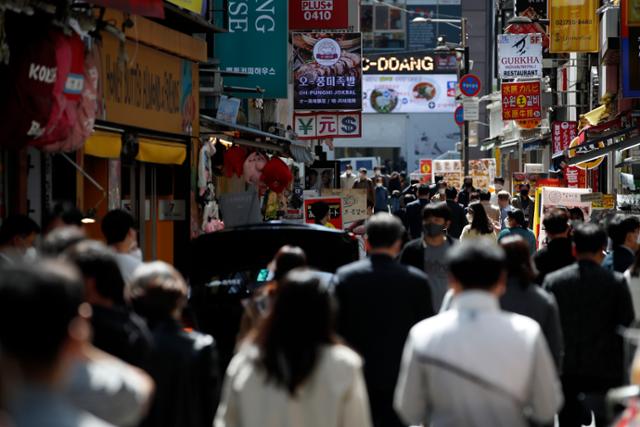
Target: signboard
424	35
591	197
426	169
171	210
573	26
483	171
532	8
252	26
606	202
407	63
153	90
354	203
228	109
335	210
562	197
409	93
314	125
470	85
318	14
520	56
471	109
458	115
519	178
630	52
195	6
576	149
632	12
327	71
521	101
562	133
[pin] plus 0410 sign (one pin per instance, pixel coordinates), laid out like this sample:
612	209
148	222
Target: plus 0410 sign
318	14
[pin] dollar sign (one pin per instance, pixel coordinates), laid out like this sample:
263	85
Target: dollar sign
349	125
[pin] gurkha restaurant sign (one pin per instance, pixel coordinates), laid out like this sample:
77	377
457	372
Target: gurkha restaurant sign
153	90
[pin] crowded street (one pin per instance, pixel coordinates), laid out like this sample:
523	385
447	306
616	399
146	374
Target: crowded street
319	213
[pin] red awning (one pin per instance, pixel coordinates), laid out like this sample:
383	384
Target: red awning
153	8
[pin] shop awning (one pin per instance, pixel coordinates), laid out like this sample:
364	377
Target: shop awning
593	151
107	145
302	154
212	122
161	152
536	143
489	143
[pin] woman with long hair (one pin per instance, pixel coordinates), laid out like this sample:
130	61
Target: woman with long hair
292	371
479	224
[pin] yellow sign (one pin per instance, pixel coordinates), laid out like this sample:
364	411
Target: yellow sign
633	13
192	5
528	123
575	144
608	202
573	26
148	88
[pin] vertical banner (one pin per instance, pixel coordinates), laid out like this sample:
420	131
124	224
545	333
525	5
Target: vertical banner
562	135
573	26
327	71
252	27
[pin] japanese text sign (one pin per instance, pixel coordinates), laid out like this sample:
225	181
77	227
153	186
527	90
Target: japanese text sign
328	125
318	14
327	71
520	56
521	101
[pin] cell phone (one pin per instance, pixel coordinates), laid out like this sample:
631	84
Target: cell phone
264	275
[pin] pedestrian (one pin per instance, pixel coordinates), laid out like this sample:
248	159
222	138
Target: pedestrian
440	192
382	196
475	365
517	226
524	297
119	230
414	212
493	211
404	183
624	232
364	291
183	364
594	304
394	202
464	196
394	182
294	372
458	217
479	225
42	328
576	215
57	241
402	213
632	275
64	214
504	204
116	329
363	182
558	252
498	186
348	178
525	203
18	234
322	214
428	252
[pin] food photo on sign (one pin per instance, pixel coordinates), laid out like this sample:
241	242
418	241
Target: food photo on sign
409	93
327	70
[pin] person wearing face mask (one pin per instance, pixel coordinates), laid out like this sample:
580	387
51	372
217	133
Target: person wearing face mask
118	228
17	238
364	182
624	232
441	190
348	178
464	197
428	252
382	196
504	204
498	186
516	222
479	224
525	203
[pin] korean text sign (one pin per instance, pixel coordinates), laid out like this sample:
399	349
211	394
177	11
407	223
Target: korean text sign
318	14
335	210
521	101
327	71
573	26
252	26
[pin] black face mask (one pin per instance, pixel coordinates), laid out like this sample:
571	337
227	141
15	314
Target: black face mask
468	184
524	193
433	230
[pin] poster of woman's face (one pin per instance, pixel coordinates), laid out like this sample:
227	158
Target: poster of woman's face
320	178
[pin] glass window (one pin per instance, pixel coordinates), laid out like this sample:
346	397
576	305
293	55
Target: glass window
366	18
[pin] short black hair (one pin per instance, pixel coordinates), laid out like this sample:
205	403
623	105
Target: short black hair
518	216
288	258
383	230
589	238
319	211
498	179
556	221
349	166
451	193
116	225
485	196
67	212
37	304
60	239
424	190
95	261
438	178
17	225
437	210
476	264
157	290
362	170
620	226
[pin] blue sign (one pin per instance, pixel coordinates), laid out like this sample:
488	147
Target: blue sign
470	85
458	115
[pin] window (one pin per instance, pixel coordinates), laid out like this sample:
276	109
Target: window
383	25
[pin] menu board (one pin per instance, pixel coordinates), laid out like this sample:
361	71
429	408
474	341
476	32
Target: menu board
483	172
418	93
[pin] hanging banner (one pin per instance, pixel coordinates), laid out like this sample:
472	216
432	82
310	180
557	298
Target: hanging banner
573	26
521	101
520	56
252	26
318	15
314	125
562	133
327	71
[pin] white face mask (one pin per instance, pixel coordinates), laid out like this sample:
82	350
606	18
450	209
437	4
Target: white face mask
379	184
136	253
30	255
441	191
469	218
498	187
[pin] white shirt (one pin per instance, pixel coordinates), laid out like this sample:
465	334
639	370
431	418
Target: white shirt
127	264
347	181
503	349
334	395
634	288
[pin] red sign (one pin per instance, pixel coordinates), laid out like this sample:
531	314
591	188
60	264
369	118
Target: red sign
521	101
426	168
335	210
562	135
318	14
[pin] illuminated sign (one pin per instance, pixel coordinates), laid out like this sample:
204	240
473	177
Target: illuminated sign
409	64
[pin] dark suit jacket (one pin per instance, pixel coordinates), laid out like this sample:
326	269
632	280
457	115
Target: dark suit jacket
556	255
594	303
379	300
458	218
619	259
414	217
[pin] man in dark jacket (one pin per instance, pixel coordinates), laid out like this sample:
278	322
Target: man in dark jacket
458	217
464	197
363	182
414	212
594	304
624	232
559	250
379	300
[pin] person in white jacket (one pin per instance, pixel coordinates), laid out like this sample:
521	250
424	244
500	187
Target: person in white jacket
293	372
